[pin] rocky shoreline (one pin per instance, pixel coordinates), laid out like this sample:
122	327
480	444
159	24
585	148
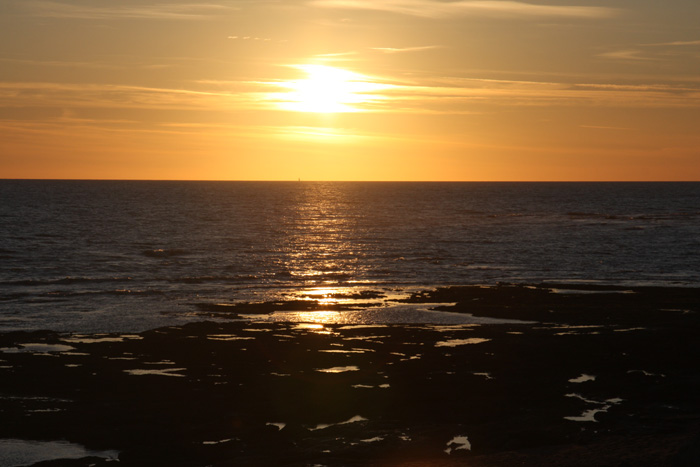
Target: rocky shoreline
600	376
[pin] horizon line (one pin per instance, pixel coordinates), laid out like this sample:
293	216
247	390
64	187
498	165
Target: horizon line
335	181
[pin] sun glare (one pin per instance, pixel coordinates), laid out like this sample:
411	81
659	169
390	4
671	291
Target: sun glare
328	89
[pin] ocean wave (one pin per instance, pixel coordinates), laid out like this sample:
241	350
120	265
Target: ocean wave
65	280
137	255
218	279
78	293
665	216
164	252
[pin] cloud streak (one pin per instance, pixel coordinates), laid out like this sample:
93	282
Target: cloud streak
627	55
498	8
447	95
674	44
163	11
109	96
393	50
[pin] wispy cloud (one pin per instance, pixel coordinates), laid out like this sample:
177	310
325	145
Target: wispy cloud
440	9
452	95
113	10
657	51
106	96
393	50
335	57
600	127
674	44
59	63
87	65
249	38
448	95
627	55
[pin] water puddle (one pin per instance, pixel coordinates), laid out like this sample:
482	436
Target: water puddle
91	340
451	327
221	441
456	342
582	379
366	338
227	337
19	452
98	338
323	426
40	349
646	373
372	440
161	372
338	369
369	386
404	313
588	291
457	443
589	415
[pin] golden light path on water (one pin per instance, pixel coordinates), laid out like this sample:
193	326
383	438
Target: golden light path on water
327	89
358	310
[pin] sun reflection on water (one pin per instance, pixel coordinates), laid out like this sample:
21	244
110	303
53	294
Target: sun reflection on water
315	317
328	295
311	326
318	250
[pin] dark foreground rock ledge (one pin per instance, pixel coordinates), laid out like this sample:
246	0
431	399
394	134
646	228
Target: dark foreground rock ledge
618	387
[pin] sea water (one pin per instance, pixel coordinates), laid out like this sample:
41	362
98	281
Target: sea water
132	255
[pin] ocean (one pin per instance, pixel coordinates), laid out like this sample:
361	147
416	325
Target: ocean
113	256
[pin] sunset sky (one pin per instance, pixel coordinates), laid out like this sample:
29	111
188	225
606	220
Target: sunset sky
350	89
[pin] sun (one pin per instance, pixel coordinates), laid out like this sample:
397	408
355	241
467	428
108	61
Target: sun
328	89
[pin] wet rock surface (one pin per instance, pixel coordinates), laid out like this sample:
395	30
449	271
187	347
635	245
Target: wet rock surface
599	379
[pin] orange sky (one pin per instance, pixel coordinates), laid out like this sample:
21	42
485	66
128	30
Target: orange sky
350	90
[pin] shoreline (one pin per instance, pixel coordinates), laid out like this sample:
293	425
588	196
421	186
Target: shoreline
605	378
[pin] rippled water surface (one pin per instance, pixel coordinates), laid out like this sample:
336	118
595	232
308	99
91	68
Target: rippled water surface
119	255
